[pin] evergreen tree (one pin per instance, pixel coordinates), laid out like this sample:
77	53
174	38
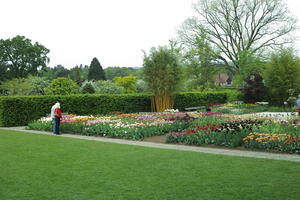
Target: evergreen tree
75	75
96	72
88	88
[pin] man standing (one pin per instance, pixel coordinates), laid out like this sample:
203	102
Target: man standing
298	105
56	115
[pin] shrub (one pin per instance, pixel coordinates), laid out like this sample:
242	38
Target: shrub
16	86
107	87
88	88
129	83
282	74
62	86
254	88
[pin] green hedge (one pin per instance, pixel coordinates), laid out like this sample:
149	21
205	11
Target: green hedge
192	99
19	110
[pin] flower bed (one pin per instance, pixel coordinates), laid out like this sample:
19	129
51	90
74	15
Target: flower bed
280	142
194	128
251	134
130	126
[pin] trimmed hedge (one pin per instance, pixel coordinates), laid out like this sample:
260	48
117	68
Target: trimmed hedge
192	99
20	110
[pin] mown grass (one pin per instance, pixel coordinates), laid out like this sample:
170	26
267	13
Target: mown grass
53	167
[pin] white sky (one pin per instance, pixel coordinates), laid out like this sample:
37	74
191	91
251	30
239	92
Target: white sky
114	31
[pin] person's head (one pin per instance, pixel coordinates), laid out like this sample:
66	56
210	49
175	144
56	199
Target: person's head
57	105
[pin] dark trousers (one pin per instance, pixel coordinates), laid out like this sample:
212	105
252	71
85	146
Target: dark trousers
56	126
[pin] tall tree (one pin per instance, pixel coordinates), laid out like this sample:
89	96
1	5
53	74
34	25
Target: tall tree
75	75
199	60
96	71
236	26
162	76
20	57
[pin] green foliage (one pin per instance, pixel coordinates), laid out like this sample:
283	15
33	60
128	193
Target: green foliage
37	85
254	89
240	28
193	99
141	86
75	75
129	83
107	87
112	72
96	71
199	61
105	129
25	86
234	95
3	71
87	88
162	75
249	64
53	73
16	86
282	74
18	111
62	86
20	58
161	71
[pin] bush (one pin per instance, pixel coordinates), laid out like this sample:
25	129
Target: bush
192	99
88	88
62	86
16	86
107	87
254	88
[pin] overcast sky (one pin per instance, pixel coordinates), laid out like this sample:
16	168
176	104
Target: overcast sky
114	31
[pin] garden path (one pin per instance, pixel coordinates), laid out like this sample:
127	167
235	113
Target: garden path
156	144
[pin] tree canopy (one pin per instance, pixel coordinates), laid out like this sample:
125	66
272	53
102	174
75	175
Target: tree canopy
96	71
236	27
19	57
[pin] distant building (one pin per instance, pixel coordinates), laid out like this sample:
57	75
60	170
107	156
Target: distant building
222	79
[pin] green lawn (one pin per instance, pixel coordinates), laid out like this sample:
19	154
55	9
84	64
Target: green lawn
46	167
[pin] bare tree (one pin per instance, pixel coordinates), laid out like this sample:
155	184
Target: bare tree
238	26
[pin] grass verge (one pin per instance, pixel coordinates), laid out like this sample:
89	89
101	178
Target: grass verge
50	167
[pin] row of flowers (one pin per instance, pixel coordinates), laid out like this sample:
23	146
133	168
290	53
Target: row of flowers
238	133
280	142
131	126
188	128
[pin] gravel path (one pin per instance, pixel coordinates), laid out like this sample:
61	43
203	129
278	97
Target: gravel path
229	152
